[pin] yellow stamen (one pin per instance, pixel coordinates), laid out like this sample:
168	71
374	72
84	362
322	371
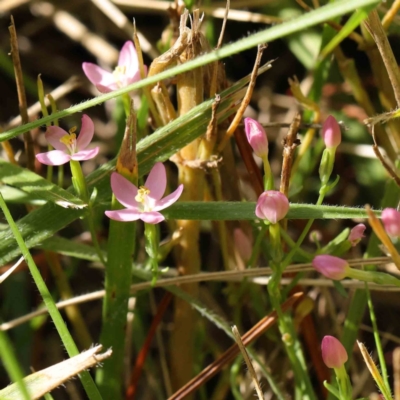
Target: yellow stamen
69	140
142	193
119	72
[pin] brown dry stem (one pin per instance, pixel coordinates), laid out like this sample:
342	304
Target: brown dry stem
22	104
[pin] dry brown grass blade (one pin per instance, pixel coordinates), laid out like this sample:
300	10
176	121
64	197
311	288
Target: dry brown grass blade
230	354
396	373
22	104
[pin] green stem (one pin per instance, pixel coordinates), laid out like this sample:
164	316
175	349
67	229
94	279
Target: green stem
11	364
150	232
378	342
79	181
55	315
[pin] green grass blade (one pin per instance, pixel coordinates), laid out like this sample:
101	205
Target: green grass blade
58	320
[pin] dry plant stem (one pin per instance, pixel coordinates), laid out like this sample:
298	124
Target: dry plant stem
165	109
379	35
230	354
396	373
246	100
379	230
247	360
384	163
190	92
67	87
28	142
73	313
389	16
9	151
141	357
289	148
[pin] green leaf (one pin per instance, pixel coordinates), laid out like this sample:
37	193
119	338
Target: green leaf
31	183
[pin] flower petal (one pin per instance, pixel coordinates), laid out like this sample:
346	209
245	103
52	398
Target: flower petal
85	154
156	182
126	214
53	135
124	191
86	134
54	157
168	200
128	58
101	78
152	217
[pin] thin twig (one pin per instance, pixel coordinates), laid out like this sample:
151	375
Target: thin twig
22	104
248	362
289	148
390	15
396	373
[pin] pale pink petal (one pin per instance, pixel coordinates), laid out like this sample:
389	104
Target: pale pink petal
53	136
156	182
124	215
124	191
86	133
132	79
168	200
54	157
128	58
152	217
85	154
101	78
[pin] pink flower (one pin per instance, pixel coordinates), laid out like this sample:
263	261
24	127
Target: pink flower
331	132
333	352
330	266
67	146
391	221
145	202
272	206
126	73
257	137
356	234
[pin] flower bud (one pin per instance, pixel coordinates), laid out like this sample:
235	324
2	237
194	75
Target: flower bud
257	137
356	234
330	266
391	221
333	352
272	206
331	132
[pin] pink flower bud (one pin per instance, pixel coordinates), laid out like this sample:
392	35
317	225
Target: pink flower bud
331	132
257	137
391	221
330	266
356	234
272	206
333	352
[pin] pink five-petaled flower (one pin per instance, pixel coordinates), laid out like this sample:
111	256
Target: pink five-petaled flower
333	352
331	132
257	137
272	206
126	73
330	266
391	221
67	146
356	234
143	203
